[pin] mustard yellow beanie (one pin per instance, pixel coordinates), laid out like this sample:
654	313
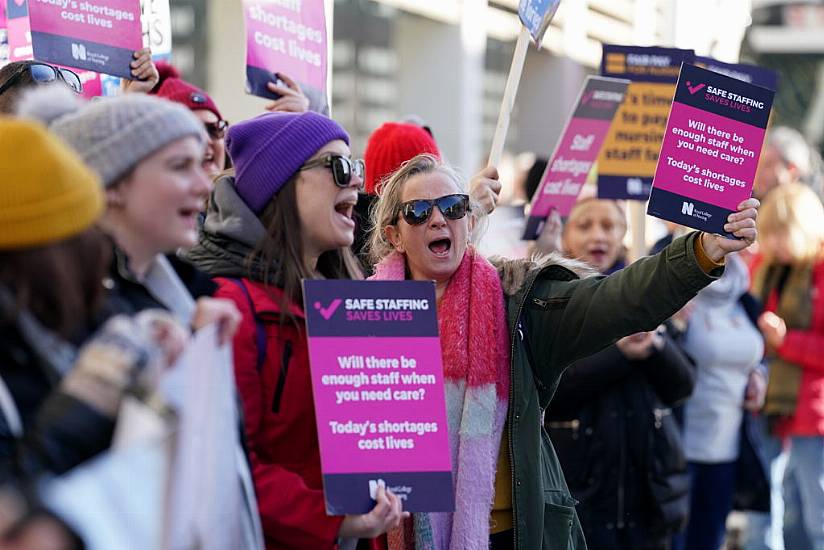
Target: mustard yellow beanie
46	192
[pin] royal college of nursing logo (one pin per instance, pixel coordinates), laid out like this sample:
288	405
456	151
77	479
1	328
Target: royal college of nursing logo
688	209
79	52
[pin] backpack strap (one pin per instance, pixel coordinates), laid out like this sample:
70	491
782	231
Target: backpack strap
260	329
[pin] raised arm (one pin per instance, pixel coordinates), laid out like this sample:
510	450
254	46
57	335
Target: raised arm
569	319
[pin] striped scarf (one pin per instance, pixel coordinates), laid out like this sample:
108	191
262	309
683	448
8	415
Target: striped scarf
475	348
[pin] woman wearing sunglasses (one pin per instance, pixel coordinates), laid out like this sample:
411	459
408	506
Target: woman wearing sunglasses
285	215
21	75
18	76
507	333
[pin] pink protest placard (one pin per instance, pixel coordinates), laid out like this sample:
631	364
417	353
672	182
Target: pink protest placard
377	381
577	150
711	149
4	36
287	37
19	32
92	85
93	35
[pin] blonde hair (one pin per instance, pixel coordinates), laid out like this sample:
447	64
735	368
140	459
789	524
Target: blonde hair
796	211
385	211
581	205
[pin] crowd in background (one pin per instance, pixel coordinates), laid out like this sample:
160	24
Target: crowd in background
593	401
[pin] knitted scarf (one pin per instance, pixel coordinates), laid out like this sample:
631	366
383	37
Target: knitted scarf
475	350
795	307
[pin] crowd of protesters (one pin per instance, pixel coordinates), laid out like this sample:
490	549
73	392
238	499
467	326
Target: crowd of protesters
593	401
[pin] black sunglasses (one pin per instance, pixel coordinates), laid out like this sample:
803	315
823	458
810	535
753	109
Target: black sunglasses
43	73
342	168
216	130
416	212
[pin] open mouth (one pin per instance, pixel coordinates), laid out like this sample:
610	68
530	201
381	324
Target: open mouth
597	254
189	215
440	247
346	210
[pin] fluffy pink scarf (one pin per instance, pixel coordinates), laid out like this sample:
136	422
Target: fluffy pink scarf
475	347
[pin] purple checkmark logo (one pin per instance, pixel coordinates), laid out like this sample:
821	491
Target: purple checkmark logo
327	312
695	89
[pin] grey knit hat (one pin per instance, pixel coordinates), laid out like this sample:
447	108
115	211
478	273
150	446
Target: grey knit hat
112	135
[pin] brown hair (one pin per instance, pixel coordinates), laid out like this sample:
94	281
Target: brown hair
9	96
61	284
278	256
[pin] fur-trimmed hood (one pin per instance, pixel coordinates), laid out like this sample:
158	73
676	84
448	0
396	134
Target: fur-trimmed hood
515	274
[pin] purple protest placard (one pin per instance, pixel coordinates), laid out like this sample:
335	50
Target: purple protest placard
289	37
752	74
711	149
377	381
630	154
94	35
577	150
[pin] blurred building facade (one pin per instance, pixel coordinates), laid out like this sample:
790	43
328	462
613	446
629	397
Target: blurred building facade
446	61
788	36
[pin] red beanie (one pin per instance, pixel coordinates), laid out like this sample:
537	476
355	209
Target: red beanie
174	88
390	146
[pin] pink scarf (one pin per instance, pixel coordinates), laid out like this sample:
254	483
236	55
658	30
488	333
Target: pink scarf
475	346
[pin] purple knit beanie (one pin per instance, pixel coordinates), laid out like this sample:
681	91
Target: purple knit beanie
267	151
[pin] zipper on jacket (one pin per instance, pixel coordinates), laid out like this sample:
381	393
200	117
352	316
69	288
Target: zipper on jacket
510	417
659	416
285	357
511	431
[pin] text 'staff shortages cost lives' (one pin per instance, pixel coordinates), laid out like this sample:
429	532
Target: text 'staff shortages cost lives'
576	151
711	149
377	381
630	152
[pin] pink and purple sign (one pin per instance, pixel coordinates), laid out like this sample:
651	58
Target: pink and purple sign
4	35
576	151
377	379
92	84
711	149
19	32
752	74
288	37
92	35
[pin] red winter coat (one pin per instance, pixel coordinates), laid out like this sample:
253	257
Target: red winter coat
279	419
806	349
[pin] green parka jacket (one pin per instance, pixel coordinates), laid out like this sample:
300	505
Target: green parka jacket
556	317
